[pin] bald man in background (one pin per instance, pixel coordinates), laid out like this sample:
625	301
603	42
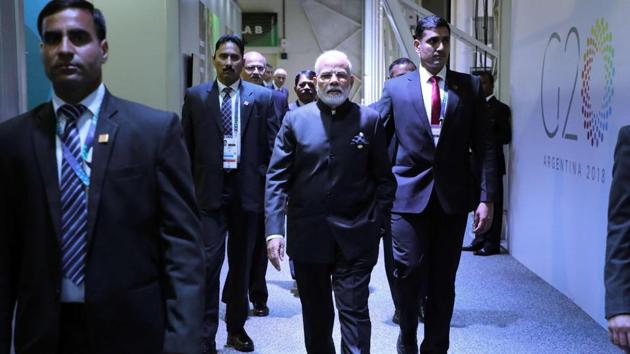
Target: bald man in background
279	78
253	71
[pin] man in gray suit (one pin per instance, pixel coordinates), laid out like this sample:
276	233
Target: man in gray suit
330	160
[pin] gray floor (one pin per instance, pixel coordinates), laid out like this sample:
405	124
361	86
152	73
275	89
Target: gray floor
501	307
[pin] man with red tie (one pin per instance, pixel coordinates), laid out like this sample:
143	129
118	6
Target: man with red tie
438	121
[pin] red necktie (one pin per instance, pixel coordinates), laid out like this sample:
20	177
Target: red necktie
435	101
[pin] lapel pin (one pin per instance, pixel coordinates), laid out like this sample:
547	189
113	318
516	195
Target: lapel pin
455	87
103	138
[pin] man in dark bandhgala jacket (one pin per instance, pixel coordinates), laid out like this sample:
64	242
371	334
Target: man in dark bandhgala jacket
330	164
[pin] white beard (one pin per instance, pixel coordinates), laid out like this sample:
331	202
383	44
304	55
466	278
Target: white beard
334	100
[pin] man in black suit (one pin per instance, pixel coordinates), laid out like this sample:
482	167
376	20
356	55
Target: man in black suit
398	67
617	269
304	89
229	126
268	76
254	71
330	162
438	120
99	231
489	243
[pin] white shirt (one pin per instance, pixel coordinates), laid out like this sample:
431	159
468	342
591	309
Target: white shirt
70	292
427	89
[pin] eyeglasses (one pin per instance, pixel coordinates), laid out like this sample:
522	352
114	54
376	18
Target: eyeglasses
252	68
327	76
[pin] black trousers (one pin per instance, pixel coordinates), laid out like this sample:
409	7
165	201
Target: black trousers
491	239
242	227
73	337
258	293
427	244
349	280
388	258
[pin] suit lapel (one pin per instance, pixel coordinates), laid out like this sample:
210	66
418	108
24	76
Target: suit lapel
45	151
212	102
101	154
414	89
245	107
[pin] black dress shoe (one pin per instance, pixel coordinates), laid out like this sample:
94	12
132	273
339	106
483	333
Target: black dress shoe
486	252
260	310
396	317
473	247
409	348
240	341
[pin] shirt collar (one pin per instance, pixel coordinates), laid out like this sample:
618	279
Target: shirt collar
342	109
489	97
92	102
234	86
425	75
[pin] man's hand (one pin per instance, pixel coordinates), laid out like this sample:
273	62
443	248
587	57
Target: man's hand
275	251
483	217
619	331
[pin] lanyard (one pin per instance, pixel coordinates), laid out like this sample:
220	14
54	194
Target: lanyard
235	116
85	148
443	103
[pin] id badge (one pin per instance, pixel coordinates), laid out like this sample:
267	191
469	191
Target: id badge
229	153
436	130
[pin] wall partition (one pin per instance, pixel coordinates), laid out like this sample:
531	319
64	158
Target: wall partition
570	85
9	60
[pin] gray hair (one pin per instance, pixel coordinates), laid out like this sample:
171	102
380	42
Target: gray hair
332	54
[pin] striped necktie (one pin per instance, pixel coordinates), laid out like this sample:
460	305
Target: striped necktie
226	113
74	214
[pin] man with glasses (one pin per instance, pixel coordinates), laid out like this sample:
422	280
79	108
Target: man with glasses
330	162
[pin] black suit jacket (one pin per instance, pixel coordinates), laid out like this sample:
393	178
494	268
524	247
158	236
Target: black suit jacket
499	118
335	173
144	271
617	266
203	130
280	104
420	167
284	91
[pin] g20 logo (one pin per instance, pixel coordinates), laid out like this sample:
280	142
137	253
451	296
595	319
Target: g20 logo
561	65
